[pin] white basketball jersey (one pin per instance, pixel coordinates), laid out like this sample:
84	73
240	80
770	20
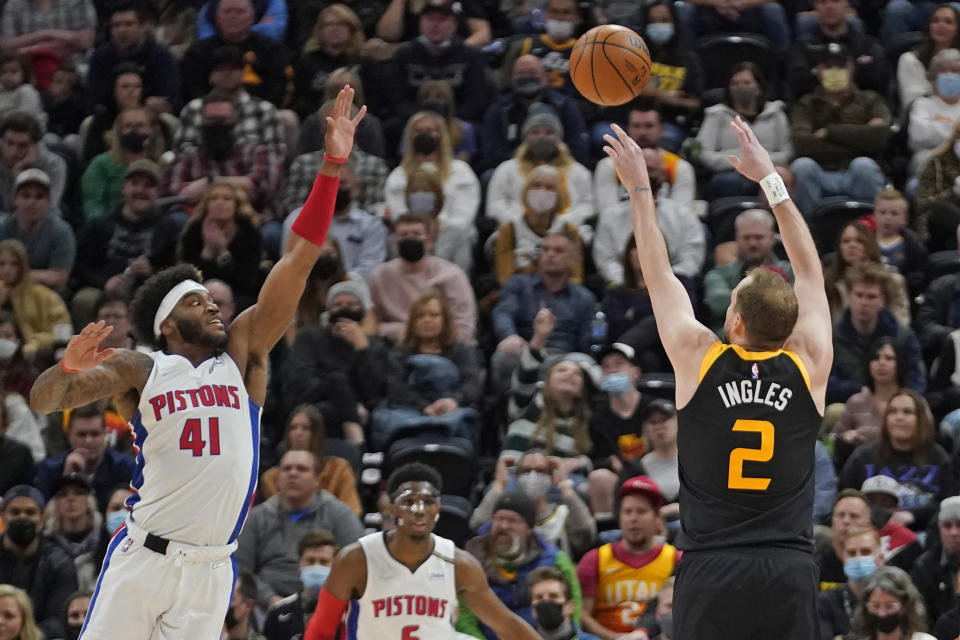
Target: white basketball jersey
197	444
399	604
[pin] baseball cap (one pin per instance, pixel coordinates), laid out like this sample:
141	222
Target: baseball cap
835	55
32	176
143	166
520	504
24	491
949	509
620	348
659	405
881	484
70	480
450	6
643	485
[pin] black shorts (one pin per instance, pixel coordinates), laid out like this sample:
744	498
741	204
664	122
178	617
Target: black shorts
747	594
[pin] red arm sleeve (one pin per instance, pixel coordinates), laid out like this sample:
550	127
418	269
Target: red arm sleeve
326	617
317	213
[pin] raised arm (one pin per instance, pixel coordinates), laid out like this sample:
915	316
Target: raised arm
473	589
684	338
86	373
812	338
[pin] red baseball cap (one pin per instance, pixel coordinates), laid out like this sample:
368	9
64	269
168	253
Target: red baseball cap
643	485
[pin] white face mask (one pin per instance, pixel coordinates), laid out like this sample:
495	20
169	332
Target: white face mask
541	200
8	348
559	30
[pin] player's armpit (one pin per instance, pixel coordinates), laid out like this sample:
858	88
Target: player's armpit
473	589
57	389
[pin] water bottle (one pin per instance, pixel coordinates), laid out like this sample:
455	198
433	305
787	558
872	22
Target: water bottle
598	330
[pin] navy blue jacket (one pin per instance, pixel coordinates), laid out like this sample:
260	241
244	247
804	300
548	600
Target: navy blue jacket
161	77
115	469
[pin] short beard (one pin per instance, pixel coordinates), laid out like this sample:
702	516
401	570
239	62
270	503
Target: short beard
193	333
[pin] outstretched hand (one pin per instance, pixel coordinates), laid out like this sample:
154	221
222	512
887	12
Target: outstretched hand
754	161
340	126
83	351
628	160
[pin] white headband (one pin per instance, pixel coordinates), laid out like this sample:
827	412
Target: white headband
171	300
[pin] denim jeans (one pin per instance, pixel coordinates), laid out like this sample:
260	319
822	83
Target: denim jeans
769	20
863	180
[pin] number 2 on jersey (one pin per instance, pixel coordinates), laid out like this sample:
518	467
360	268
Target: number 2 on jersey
191	438
735	479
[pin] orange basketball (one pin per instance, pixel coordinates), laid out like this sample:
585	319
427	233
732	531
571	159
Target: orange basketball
610	65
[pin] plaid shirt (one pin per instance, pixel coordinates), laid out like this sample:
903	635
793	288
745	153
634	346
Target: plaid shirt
370	170
26	16
259	163
257	124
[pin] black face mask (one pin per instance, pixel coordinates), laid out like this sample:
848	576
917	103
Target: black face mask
350	313
326	267
134	141
884	624
880	516
344	198
424	144
527	87
218	140
542	150
549	615
410	249
72	631
21	531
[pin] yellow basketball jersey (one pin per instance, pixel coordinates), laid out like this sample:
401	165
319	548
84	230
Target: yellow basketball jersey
623	591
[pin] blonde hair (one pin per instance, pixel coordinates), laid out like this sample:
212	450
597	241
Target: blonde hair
889	194
18	251
28	626
331	89
548	171
410	162
546	428
345	14
768	307
244	210
154	148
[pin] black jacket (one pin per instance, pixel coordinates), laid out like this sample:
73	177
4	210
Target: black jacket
267	72
935	577
939	313
948	625
288	618
871	61
16	464
48	576
161	77
835	609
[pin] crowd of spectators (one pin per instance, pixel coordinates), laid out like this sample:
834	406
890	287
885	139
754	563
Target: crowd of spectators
480	285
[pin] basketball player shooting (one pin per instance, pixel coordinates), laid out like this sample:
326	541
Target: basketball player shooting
168	573
404	584
749	411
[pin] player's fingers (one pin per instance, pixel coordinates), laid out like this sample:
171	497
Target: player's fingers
734	160
103	355
343	97
103	333
357	118
613	142
610	152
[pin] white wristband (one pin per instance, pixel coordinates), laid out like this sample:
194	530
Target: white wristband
774	188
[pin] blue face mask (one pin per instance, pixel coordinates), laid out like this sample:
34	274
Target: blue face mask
314	576
660	32
860	568
616	384
114	520
948	85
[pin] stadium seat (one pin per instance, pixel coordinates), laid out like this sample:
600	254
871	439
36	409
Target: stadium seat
453	458
722	213
831	215
660	385
719	52
454	522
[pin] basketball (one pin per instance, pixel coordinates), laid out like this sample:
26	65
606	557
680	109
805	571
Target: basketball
610	65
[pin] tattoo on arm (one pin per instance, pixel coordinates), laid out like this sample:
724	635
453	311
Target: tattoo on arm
57	390
640	189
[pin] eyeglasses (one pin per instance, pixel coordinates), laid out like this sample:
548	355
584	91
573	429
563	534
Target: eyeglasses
883	608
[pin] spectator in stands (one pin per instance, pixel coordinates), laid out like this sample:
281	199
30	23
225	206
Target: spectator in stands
131	40
255	168
851	510
746	94
395	284
238	624
427	144
16	374
337	367
51	247
838	132
563	24
221	239
222	296
866	320
906	446
268	543
899	544
336	41
270	19
362	237
72	519
682	231
900	16
435	95
265	70
938	196
518	242
434	381
287	618
401	21
17	613
551	600
616	426
890	601
705	17
755	241
646	128
857	244
64	101
74	614
529	85
619	578
932	117
660	463
65	28
23	425
542	135
37	308
832	25
935	571
113	515
508	554
900	247
565	522
327	272
87	456
31	561
21	149
676	77
305	432
862	556
175	24
937	322
131	139
941	33
369	133
424	197
17	467
439	54
17	92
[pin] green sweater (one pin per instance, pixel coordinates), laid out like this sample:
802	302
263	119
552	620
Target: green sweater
102	186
